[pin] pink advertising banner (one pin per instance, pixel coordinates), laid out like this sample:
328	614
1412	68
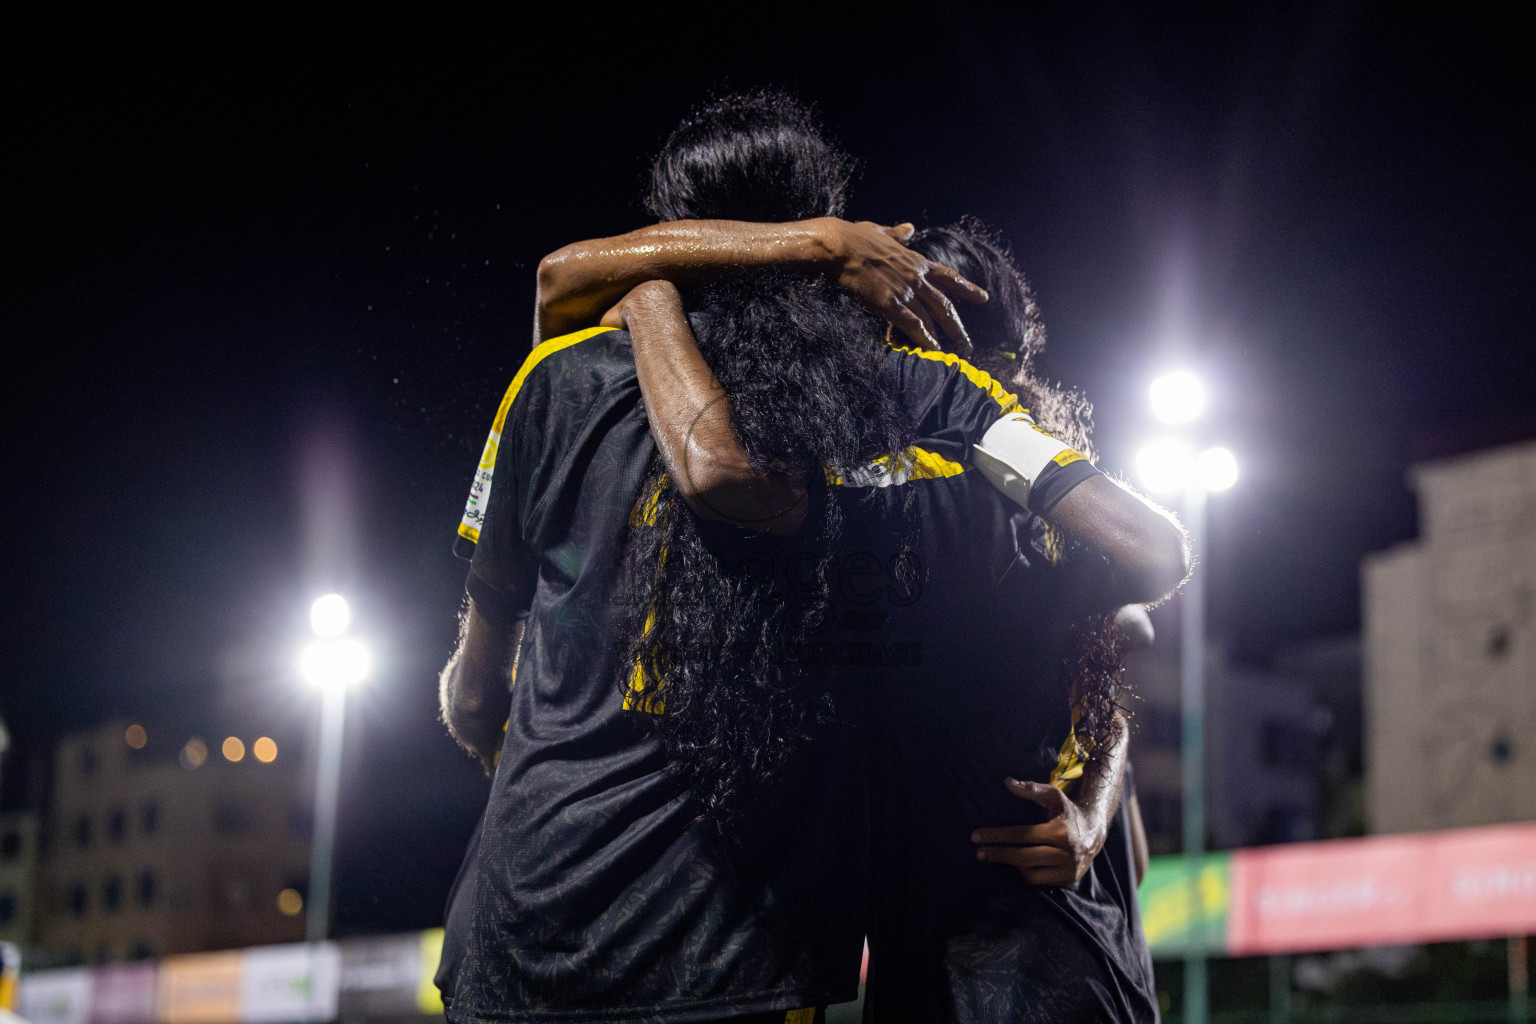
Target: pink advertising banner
1388	890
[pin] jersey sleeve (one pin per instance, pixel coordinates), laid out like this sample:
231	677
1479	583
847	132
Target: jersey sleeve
492	533
947	398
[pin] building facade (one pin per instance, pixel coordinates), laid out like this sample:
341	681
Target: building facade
157	845
1450	650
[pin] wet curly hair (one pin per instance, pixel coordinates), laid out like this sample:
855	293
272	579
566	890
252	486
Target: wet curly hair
802	365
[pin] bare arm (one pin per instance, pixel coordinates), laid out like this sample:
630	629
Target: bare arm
578	283
474	691
1147	551
690	418
1060	850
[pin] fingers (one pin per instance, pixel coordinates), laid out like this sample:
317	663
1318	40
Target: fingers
902	232
956	287
1053	800
1049	834
943	312
915	327
1027	858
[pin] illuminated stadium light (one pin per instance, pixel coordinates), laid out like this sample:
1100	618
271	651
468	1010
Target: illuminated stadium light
330	615
265	749
1177	397
1165	466
233	749
1216	469
335	663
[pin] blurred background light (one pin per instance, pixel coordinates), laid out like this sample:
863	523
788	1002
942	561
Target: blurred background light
330	615
1177	397
265	750
135	736
290	903
1164	466
233	748
194	753
328	663
1216	469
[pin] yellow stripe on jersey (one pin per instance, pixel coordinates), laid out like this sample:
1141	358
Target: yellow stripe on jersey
981	378
1068	457
914	463
480	489
1071	759
804	1015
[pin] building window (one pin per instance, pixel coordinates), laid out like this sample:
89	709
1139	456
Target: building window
231	818
149	816
83	831
117	824
79	901
112	894
146	888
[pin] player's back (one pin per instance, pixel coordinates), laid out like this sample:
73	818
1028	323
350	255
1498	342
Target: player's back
953	938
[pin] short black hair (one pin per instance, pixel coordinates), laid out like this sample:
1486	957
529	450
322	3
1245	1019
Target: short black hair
757	156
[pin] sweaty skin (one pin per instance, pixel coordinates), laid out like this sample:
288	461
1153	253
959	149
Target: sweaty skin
690	418
578	283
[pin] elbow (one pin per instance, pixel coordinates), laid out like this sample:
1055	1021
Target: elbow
747	500
1164	566
553	277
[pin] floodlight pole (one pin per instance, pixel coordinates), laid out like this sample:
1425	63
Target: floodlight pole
333	708
1192	694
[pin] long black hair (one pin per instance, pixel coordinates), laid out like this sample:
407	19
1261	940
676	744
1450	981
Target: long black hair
1008	335
801	365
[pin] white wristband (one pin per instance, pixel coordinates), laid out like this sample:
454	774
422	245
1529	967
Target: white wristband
1013	453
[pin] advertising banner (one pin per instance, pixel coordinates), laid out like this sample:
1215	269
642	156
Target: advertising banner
123	994
1385	890
202	988
380	977
55	997
294	984
1168	911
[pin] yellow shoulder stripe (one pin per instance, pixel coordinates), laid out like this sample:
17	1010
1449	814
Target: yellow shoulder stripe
913	463
537	356
981	378
480	489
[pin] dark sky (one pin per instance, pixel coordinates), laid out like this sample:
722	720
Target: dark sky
243	259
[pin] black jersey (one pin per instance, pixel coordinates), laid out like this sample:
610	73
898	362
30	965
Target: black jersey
953	939
597	894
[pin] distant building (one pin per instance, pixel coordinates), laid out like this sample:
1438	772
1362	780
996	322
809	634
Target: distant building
160	844
18	876
1450	650
1262	742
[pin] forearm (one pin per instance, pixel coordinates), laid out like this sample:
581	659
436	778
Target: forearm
474	689
578	283
690	417
1097	792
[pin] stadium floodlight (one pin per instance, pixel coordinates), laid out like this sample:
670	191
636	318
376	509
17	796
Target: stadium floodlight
330	616
1177	397
1165	466
1216	469
340	663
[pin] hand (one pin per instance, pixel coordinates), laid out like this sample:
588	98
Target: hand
1058	851
911	292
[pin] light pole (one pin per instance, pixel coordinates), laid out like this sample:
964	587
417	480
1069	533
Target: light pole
1170	465
333	662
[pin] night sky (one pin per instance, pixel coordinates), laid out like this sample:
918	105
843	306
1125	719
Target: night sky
265	285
